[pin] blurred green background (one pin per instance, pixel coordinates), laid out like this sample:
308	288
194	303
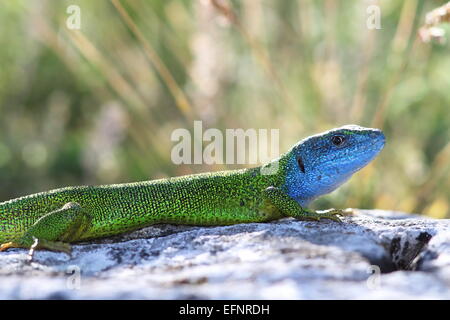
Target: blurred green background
98	105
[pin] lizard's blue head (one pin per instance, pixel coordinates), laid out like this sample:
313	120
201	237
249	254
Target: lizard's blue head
319	164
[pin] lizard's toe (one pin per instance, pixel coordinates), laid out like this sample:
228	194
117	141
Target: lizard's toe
331	217
331	214
7	245
335	218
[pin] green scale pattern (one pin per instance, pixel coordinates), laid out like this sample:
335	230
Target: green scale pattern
218	198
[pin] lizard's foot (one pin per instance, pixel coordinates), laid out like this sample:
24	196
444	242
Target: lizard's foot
49	245
290	208
56	246
8	245
55	230
39	244
331	214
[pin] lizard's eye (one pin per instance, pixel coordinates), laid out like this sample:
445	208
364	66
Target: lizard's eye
337	140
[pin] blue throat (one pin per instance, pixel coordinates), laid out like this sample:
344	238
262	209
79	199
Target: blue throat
305	187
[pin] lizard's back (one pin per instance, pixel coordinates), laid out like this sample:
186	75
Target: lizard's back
203	199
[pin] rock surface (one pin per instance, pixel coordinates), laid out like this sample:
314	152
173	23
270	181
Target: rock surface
373	255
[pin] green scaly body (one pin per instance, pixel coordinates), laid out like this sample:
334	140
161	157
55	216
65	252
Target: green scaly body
218	198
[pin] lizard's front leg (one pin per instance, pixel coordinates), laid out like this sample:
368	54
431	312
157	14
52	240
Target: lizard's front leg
290	208
54	230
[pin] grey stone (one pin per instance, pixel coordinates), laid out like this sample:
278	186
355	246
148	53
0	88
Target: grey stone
372	255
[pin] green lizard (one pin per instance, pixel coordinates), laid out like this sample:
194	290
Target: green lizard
313	167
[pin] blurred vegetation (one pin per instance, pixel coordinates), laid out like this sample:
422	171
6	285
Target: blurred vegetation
98	105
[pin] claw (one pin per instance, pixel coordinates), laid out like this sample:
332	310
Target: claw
330	217
331	214
331	211
334	218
